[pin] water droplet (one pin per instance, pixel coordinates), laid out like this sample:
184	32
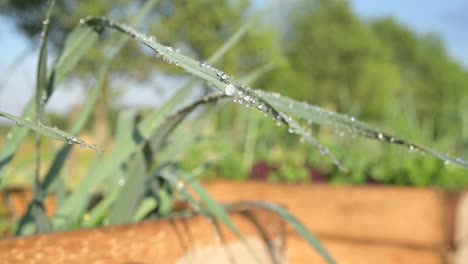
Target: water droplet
230	89
180	184
96	148
380	136
278	123
151	39
223	77
260	106
411	148
18	123
291	130
392	139
82	146
447	162
352	119
82	21
122	181
247	98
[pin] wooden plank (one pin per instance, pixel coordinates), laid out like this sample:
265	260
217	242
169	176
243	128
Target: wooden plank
407	216
176	241
349	252
461	230
16	202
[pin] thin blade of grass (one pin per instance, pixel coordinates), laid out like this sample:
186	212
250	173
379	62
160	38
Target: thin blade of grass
50	132
294	222
38	213
75	47
147	205
41	78
213	207
98	213
131	192
233	40
315	114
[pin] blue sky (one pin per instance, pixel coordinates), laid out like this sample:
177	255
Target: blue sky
446	18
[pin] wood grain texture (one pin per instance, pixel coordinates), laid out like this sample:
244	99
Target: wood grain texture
193	240
404	216
349	252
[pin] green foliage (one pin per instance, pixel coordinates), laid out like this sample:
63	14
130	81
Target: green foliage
334	59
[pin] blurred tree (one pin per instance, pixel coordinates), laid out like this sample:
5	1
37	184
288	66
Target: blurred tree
336	60
436	83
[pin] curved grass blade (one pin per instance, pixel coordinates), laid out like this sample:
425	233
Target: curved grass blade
240	93
41	80
294	222
315	114
50	132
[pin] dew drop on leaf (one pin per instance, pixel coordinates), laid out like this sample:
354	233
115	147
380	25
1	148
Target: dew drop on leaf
230	89
122	181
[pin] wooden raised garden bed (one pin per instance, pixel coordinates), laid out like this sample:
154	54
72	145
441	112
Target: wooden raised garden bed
369	224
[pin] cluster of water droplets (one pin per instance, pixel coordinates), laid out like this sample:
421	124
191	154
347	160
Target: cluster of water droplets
245	95
70	139
345	124
240	93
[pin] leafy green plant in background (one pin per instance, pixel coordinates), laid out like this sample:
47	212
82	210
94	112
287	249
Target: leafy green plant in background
140	178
